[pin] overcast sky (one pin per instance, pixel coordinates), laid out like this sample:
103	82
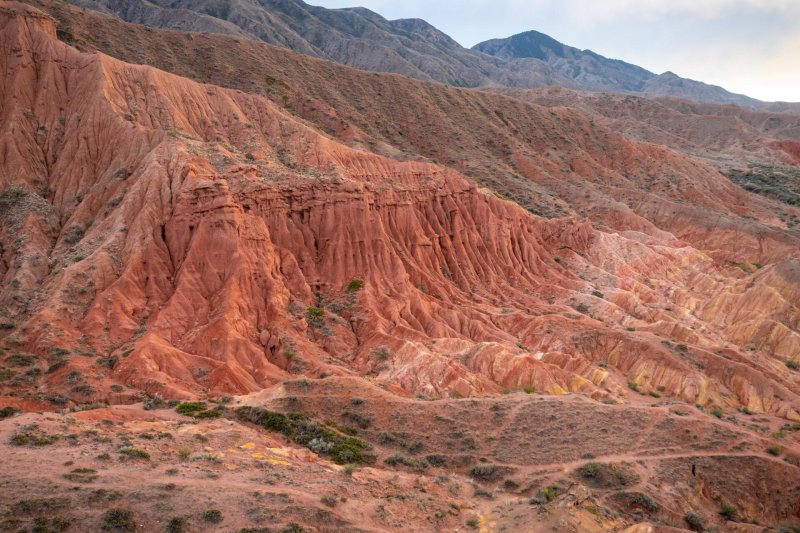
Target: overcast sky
747	46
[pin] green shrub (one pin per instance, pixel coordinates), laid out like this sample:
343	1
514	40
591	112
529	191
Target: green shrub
793	364
32	439
633	386
177	524
774	450
134	453
397	459
355	285
550	493
728	512
42	524
484	472
190	408
638	500
213	516
591	470
20	359
315	312
529	389
8	411
322	440
73	235
716	412
119	520
82	475
694	520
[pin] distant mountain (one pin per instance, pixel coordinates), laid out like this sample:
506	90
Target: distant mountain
363	39
594	72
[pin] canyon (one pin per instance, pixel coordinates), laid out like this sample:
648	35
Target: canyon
492	288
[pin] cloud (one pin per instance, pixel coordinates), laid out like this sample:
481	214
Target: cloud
594	12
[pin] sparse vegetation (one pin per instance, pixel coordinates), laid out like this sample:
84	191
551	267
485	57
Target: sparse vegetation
637	500
213	516
778	183
134	453
321	439
793	364
81	475
606	475
716	412
397	459
20	359
550	493
28	437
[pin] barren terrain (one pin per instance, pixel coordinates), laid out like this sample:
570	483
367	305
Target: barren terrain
523	313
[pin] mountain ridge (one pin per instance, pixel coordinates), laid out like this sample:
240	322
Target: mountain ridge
364	39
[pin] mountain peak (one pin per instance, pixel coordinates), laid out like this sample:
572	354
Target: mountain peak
529	44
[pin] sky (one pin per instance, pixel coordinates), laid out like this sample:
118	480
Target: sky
750	47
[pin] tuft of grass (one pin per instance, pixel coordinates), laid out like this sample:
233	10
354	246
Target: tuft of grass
529	389
716	412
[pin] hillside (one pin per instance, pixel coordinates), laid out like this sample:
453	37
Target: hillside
365	260
360	38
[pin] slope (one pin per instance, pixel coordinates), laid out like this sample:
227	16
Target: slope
363	39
